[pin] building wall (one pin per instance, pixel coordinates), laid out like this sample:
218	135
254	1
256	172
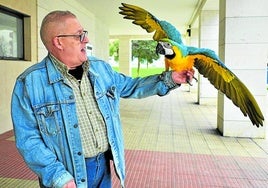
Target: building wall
98	32
9	70
37	9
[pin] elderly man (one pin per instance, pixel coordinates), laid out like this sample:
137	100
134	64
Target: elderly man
65	109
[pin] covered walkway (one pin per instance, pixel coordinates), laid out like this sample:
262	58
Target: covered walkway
170	142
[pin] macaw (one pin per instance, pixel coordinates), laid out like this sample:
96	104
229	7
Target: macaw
180	57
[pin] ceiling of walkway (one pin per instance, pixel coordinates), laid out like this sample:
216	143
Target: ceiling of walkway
177	12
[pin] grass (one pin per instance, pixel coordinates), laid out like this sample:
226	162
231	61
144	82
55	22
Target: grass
143	71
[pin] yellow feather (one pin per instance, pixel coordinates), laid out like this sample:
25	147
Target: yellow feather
179	63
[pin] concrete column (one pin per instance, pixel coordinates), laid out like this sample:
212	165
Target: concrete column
243	46
193	40
125	55
208	38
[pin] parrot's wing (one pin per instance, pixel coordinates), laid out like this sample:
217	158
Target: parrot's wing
228	83
150	23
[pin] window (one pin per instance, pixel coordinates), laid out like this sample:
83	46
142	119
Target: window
11	35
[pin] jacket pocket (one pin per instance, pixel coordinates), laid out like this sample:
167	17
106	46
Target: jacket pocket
49	119
111	96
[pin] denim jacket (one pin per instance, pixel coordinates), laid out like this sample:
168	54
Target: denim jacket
46	125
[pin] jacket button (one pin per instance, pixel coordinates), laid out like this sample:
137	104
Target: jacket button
79	153
83	180
75	125
71	97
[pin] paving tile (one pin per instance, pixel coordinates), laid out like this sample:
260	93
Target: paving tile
170	142
18	183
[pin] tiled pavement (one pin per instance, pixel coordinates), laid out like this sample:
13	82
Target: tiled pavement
170	142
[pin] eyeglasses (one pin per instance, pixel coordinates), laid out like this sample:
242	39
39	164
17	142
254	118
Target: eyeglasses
81	36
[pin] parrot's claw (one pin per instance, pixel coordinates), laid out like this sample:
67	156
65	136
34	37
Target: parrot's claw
190	83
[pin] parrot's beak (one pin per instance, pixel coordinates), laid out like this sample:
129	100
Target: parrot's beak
164	48
160	49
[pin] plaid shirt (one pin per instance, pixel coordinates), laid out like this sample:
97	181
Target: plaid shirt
92	126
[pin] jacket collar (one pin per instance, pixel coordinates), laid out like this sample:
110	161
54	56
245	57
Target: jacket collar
54	74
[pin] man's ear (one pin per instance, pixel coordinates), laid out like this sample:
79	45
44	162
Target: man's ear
57	43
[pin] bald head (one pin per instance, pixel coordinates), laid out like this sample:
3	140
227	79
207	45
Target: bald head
52	25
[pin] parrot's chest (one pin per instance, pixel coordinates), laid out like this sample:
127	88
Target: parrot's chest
179	63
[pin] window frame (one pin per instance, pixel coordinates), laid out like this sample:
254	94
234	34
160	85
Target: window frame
21	17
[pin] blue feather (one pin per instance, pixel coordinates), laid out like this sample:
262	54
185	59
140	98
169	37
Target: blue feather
171	31
205	51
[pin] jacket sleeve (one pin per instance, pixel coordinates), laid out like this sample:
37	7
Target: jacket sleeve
159	84
37	156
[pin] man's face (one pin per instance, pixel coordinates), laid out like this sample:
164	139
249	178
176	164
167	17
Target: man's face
73	51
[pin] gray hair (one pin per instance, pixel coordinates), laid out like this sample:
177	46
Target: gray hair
51	23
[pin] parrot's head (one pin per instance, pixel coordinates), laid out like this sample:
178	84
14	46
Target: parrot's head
170	48
165	48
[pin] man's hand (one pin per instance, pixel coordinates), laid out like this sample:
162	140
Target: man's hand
70	184
182	77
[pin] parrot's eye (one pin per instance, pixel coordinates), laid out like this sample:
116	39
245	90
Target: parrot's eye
167	45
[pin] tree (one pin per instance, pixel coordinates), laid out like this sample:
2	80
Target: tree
144	51
114	49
